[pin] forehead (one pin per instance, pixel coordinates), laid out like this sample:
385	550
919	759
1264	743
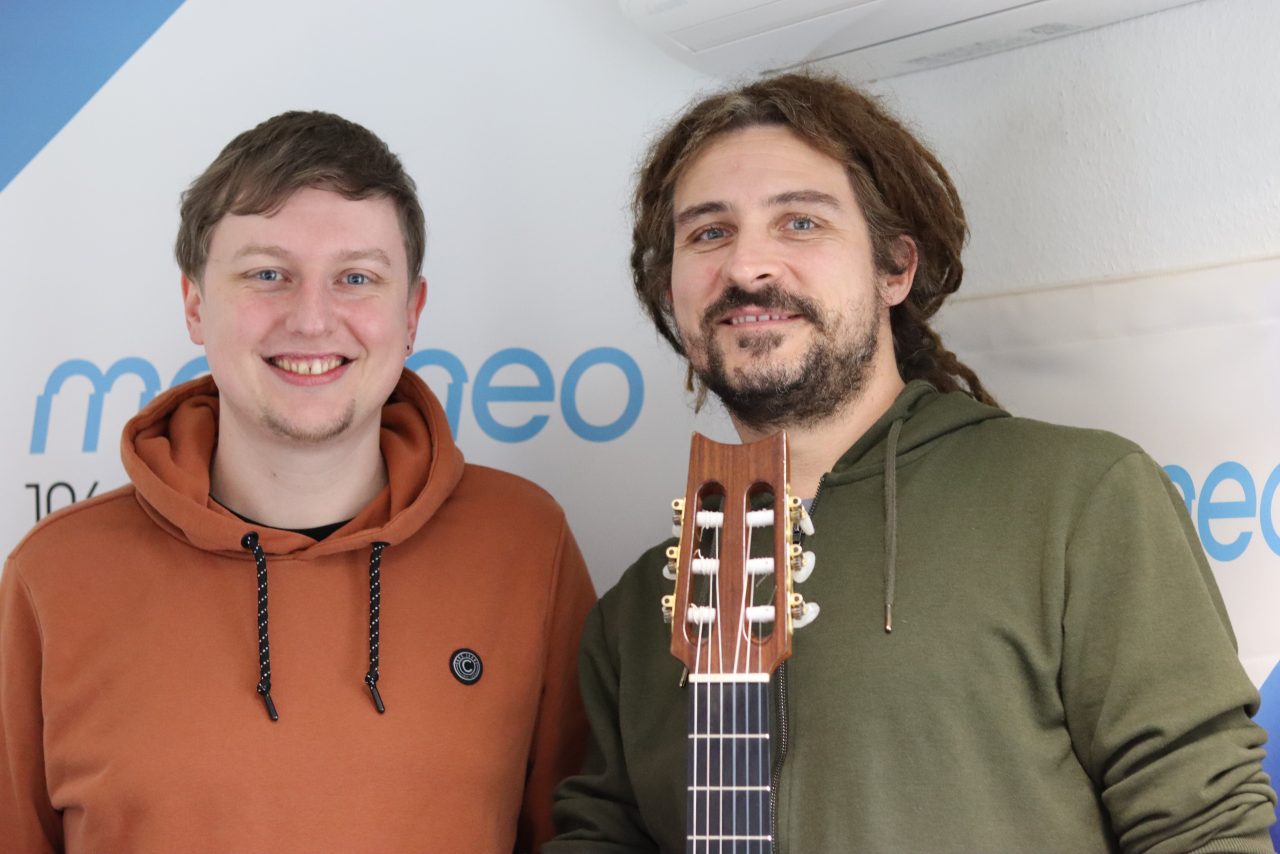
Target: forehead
757	163
315	221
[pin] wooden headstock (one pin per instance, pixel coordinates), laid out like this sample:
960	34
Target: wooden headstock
733	608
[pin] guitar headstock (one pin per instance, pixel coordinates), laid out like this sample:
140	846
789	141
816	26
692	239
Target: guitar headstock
734	607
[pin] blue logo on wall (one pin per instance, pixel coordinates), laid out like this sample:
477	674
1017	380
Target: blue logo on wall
485	393
1207	505
54	56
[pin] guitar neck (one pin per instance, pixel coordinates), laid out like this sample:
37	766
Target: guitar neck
729	765
732	613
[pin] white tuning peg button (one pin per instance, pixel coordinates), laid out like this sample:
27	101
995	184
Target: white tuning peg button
809	614
806	524
806	568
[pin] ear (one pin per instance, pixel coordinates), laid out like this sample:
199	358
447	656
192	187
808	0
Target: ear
417	299
193	308
895	286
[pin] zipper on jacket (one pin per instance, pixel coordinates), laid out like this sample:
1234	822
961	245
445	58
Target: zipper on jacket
784	726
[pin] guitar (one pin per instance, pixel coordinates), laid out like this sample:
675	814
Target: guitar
732	614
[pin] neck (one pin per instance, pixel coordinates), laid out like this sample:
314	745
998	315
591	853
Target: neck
813	448
288	485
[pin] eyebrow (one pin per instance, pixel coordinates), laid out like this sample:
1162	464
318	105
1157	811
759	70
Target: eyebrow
693	212
816	197
273	251
791	197
261	249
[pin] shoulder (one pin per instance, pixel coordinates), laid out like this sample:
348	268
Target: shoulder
1024	446
62	541
504	491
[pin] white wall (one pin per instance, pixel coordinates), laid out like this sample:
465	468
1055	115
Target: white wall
1147	145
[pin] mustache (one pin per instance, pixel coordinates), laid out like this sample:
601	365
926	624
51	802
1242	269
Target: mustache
771	296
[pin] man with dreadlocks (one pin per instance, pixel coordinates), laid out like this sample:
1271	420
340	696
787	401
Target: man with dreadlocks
1021	646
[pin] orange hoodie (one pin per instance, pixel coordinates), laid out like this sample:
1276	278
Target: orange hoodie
129	657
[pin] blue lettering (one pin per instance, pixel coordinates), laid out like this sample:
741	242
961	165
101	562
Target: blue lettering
486	393
457	379
569	394
102	384
1266	511
542	389
1210	510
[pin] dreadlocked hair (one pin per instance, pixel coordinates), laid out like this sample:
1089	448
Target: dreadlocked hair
904	191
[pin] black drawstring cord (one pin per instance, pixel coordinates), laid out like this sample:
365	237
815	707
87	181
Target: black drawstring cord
375	605
250	543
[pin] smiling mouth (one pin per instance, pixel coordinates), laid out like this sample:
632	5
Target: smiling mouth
740	319
308	367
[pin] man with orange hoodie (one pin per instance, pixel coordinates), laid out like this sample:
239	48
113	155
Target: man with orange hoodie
153	697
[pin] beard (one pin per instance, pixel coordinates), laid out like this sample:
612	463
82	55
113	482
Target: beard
771	396
311	434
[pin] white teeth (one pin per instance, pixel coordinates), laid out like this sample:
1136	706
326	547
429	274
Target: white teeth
307	367
754	318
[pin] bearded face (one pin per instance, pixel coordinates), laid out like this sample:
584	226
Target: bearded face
766	392
774	288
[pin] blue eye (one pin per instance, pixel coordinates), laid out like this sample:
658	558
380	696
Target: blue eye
803	223
355	279
711	232
267	275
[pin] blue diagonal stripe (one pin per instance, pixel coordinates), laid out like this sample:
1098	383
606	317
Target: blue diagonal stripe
1269	718
54	55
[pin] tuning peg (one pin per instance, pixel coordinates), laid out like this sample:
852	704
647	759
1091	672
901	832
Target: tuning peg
807	616
800	574
673	557
800	516
802	613
668	607
677	517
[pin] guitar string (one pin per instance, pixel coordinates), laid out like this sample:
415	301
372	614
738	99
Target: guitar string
739	666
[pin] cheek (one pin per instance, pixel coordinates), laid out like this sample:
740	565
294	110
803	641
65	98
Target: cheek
692	283
378	326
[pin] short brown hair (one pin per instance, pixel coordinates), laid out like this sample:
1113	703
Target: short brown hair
901	186
261	168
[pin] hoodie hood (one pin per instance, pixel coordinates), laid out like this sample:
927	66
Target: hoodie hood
925	414
168	447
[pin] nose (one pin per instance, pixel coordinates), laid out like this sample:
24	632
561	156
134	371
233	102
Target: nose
313	309
753	260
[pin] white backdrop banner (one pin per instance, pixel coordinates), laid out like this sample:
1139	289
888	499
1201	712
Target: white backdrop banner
1184	363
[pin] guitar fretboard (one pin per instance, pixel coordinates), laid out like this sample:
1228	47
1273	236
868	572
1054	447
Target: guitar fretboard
729	767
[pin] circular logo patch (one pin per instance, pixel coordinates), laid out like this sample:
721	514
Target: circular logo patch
466	666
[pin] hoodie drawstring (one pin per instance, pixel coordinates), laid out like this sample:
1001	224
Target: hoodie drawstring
249	542
890	521
375	605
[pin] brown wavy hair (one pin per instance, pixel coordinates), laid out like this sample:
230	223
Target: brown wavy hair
261	168
903	190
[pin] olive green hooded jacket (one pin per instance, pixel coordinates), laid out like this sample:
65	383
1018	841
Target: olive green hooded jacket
1061	675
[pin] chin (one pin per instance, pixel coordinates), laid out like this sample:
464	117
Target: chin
309	430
